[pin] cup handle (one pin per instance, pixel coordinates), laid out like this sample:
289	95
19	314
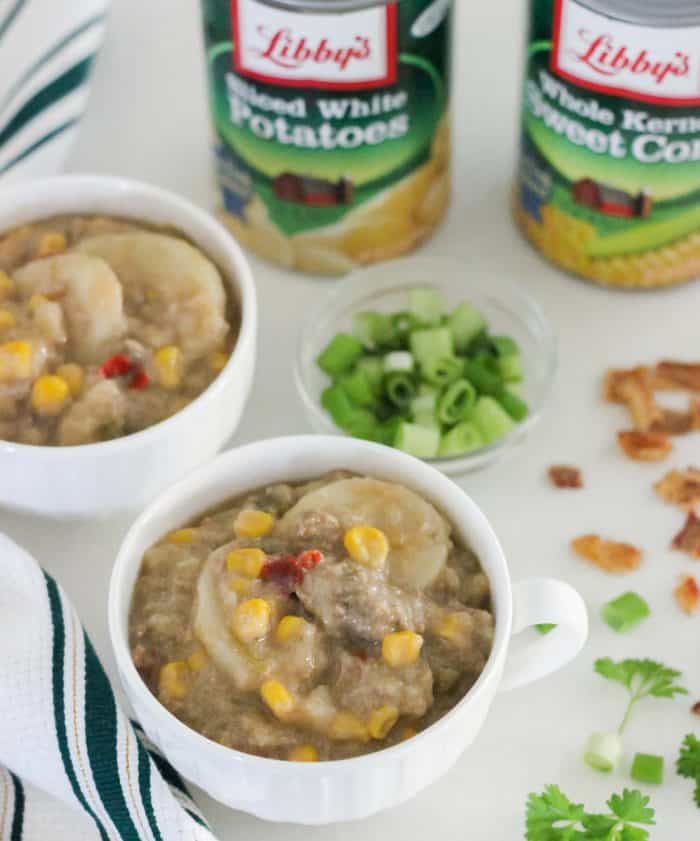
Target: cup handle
544	600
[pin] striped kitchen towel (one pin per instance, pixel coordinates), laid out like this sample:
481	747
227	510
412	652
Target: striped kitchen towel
64	741
47	48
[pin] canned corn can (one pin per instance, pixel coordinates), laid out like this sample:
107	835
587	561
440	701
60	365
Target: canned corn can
609	177
332	126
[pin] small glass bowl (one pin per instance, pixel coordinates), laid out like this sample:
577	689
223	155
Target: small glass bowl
508	308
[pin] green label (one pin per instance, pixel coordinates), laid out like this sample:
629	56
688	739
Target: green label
611	133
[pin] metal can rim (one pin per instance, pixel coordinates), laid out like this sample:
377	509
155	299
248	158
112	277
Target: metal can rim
330	7
675	14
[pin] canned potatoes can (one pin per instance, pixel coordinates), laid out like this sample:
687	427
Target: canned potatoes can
609	177
332	126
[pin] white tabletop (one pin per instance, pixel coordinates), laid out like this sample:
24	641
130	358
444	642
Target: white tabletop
148	119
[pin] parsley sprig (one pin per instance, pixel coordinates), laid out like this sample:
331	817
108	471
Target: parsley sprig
642	679
551	816
688	764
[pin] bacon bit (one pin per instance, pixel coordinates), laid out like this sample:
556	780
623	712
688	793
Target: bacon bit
139	380
563	476
695	709
687	595
288	571
634	388
644	446
673	422
614	379
116	366
680	488
609	555
679	376
688	538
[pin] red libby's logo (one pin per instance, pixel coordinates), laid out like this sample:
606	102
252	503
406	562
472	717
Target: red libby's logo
650	64
350	50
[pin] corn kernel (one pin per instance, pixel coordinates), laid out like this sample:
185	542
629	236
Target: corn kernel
367	546
73	375
50	395
303	753
251	620
251	523
174	680
289	628
197	660
277	697
7	320
382	720
407	733
455	627
217	360
248	562
347	726
181	537
401	648
15	361
169	366
54	242
7	285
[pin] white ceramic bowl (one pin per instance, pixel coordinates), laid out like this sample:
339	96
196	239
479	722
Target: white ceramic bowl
507	305
324	792
99	479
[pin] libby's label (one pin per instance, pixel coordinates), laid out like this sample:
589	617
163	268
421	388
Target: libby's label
274	46
332	127
609	56
610	162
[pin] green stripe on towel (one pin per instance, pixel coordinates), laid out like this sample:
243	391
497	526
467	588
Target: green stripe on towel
102	747
18	816
63	85
47	138
10	16
58	662
47	56
145	789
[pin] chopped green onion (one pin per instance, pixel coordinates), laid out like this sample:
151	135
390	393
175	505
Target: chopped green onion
544	628
465	323
625	612
510	368
340	354
603	751
419	441
514	405
490	419
462	438
400	388
373	329
398	360
386	431
373	368
426	419
431	344
424	403
402	324
482	344
505	346
427	305
443	371
456	402
647	768
483	380
358	386
344	412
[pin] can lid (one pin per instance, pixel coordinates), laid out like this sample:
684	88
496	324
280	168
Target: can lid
670	13
324	6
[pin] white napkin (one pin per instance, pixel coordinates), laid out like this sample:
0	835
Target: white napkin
64	742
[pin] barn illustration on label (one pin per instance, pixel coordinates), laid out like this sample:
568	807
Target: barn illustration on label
611	201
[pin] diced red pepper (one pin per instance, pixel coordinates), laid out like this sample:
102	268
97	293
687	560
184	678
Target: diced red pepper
140	379
288	571
116	366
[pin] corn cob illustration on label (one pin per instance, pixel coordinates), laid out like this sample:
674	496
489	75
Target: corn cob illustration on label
332	129
608	184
